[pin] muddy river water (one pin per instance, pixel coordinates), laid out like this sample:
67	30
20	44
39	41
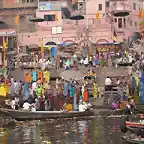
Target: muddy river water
97	130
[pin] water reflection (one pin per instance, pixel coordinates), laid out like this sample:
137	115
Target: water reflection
93	131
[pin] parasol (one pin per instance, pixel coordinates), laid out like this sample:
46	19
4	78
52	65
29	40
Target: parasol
36	19
72	74
76	17
1	22
50	44
121	14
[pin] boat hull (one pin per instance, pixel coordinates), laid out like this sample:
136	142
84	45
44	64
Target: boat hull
134	124
39	115
132	141
126	125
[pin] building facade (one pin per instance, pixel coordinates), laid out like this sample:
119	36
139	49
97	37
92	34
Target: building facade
99	25
9	10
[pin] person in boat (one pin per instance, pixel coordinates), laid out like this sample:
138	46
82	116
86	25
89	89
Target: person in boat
67	107
13	103
39	91
83	106
130	106
26	106
7	103
16	103
42	103
32	107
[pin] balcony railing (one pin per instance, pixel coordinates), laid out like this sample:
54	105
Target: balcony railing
16	11
118	7
21	5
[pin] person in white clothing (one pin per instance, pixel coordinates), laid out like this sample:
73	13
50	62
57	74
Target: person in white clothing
86	62
108	83
13	104
26	106
34	86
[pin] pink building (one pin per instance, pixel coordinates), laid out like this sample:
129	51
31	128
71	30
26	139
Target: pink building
105	28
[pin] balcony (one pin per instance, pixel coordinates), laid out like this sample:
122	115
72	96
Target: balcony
20	5
120	9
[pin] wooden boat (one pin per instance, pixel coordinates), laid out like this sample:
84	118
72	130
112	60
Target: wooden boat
137	111
137	124
127	125
20	115
133	141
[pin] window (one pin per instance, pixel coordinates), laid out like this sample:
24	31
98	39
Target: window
49	17
134	6
107	3
119	22
100	7
23	1
124	22
136	24
115	20
130	23
139	8
21	17
75	6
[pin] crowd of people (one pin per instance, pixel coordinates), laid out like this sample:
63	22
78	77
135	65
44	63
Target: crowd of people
129	87
37	92
43	94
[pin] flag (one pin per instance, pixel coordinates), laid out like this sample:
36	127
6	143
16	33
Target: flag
42	46
97	15
116	38
4	49
140	14
4	44
17	20
56	18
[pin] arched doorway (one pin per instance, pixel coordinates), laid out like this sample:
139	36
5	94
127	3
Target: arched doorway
68	41
85	41
101	41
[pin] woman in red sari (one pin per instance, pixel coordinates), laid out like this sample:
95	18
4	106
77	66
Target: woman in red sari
85	98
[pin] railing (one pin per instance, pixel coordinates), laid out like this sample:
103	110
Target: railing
80	11
119	7
15	12
20	5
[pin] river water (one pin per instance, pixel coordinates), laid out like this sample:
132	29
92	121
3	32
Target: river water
97	130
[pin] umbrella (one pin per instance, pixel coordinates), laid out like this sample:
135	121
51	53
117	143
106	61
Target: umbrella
1	22
77	17
121	14
37	19
50	43
4	25
71	74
